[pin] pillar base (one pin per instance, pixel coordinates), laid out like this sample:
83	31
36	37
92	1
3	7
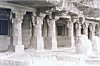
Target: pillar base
37	43
50	43
19	49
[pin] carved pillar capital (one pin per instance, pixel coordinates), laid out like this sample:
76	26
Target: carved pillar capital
85	25
37	20
56	18
77	25
85	28
69	24
18	15
81	20
92	27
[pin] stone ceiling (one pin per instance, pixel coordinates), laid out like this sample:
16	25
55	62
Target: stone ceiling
90	8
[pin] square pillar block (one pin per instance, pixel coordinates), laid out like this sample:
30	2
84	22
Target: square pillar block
37	43
19	49
50	43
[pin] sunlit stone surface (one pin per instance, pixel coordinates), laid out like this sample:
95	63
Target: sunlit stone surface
84	45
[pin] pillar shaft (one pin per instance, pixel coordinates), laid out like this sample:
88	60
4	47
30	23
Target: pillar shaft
45	28
92	31
37	39
78	29
85	29
52	31
70	28
70	34
52	34
37	30
17	31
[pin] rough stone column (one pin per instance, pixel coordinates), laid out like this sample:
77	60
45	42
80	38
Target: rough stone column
78	34
51	24
93	38
70	33
97	30
17	31
52	32
78	29
92	31
45	28
37	39
85	28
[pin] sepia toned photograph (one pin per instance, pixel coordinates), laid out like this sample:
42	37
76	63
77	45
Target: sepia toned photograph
49	32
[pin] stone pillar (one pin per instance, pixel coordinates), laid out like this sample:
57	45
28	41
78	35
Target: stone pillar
45	28
17	31
70	33
97	30
92	37
85	29
51	24
52	32
78	28
37	39
97	37
77	37
92	31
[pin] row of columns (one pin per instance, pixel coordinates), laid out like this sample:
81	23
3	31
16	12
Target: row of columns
37	39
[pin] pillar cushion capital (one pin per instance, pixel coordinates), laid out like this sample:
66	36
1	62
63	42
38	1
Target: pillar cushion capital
92	27
81	20
42	15
77	25
56	17
19	14
23	12
85	25
69	23
51	16
39	20
16	20
39	14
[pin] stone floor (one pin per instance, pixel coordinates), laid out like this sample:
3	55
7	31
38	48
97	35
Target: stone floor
60	57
